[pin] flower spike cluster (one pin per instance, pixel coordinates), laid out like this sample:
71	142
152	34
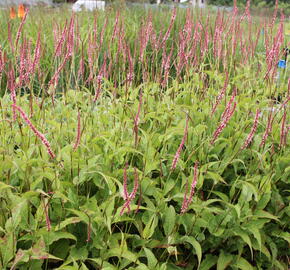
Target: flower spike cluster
128	198
226	116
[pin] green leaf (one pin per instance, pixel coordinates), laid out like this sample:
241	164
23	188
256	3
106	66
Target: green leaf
224	260
109	208
216	177
61	248
236	208
2	230
280	265
71	220
50	237
284	235
79	253
7	247
208	262
169	220
262	203
81	215
257	235
4	186
118	252
152	261
245	238
150	227
18	212
83	267
68	267
168	186
222	196
243	264
142	266
191	240
264	214
21	256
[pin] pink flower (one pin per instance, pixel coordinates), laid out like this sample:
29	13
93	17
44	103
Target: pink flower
81	70
116	26
186	202
226	116
36	132
167	67
36	55
166	36
177	154
11	87
130	74
253	130
132	195
19	31
126	195
268	129
100	76
229	105
2	61
221	94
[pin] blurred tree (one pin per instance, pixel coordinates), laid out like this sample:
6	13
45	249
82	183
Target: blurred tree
253	2
284	4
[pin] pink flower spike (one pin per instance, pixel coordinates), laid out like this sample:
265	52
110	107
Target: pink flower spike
60	41
221	94
268	129
36	55
132	194
100	76
12	86
225	119
186	202
136	185
126	195
194	182
166	36
19	31
253	130
177	154
36	132
229	105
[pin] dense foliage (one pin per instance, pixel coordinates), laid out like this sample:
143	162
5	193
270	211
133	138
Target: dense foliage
257	5
144	140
